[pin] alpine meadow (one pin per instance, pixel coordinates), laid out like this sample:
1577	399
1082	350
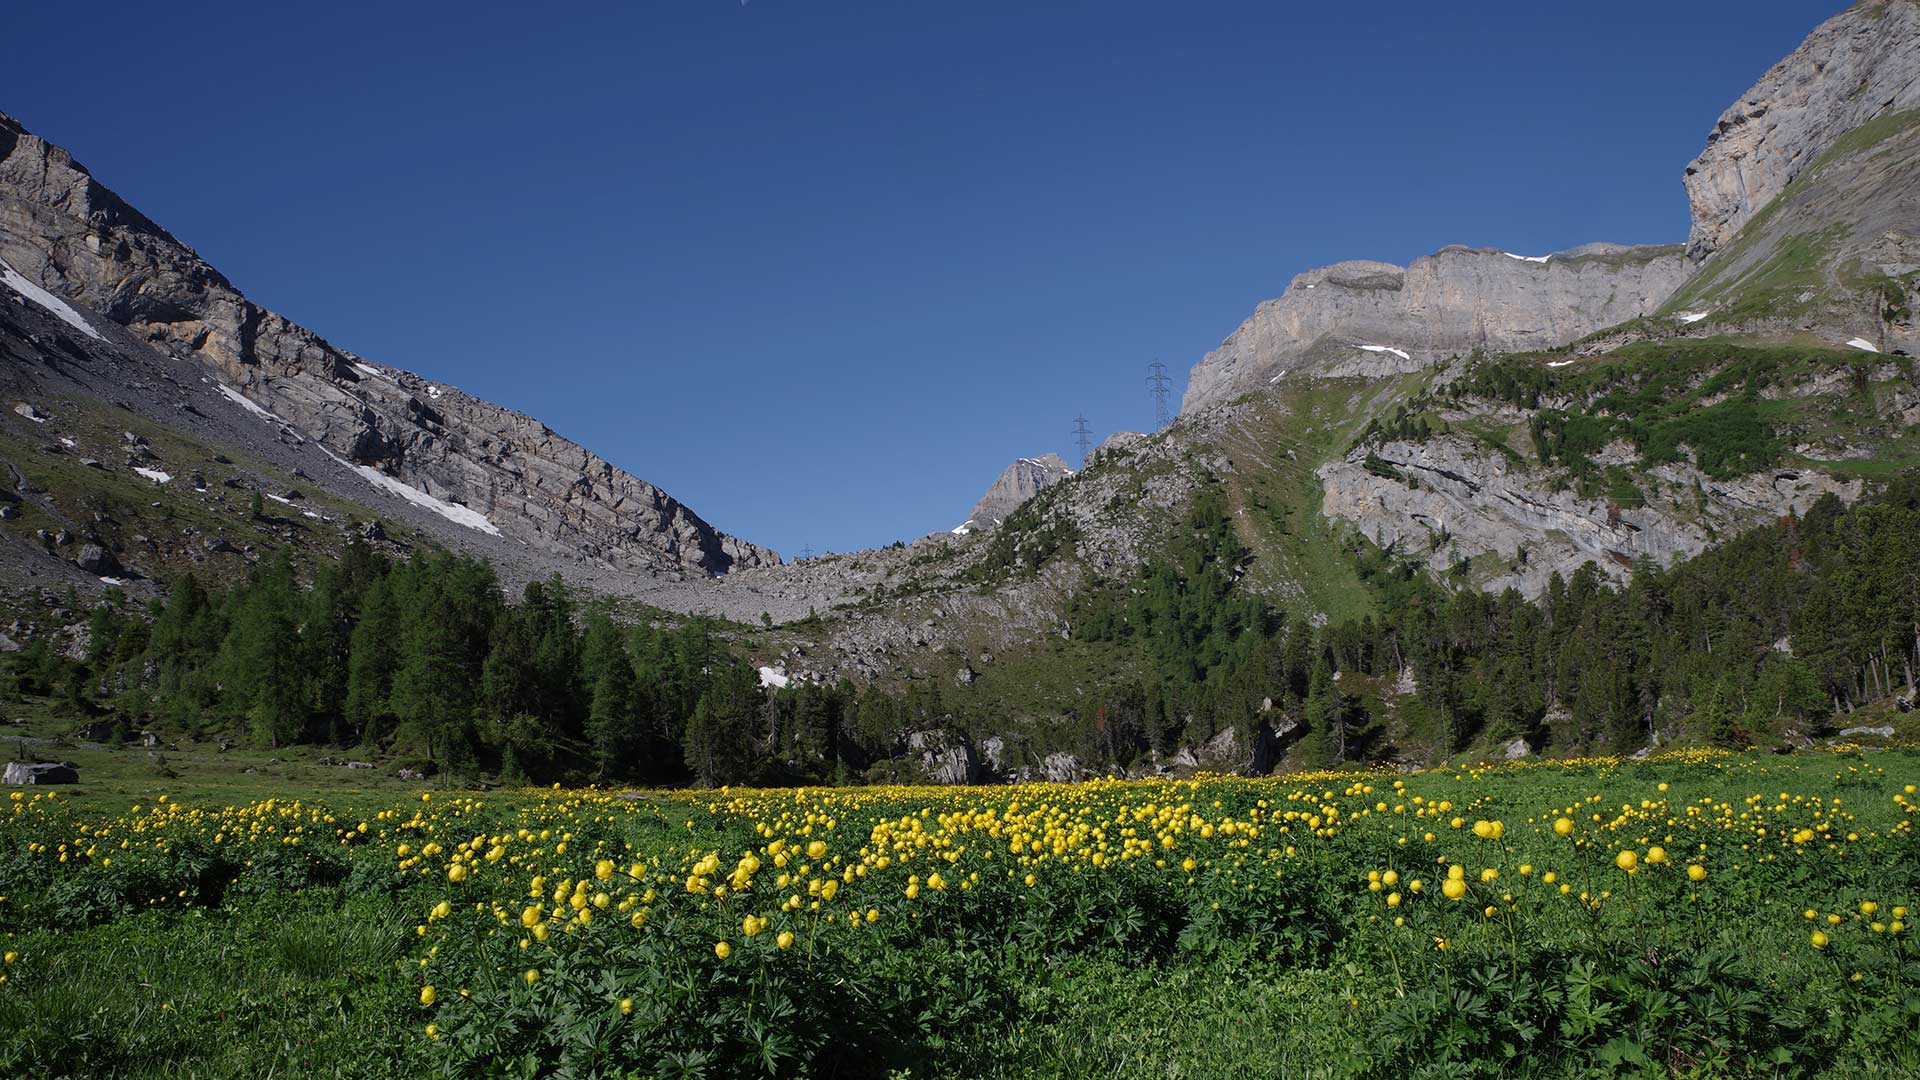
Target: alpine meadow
1495	665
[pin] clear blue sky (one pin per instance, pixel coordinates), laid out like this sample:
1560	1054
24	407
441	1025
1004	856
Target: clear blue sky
821	270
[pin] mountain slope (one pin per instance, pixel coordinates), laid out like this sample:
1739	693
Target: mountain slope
63	231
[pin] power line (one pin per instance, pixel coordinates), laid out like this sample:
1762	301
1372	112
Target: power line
806	552
1159	382
1083	436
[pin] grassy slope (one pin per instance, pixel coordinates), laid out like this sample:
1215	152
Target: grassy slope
173	516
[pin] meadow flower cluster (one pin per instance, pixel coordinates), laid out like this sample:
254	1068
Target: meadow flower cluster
1502	910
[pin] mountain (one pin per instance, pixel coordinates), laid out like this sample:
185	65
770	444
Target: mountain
1371	319
63	231
1021	481
1481	419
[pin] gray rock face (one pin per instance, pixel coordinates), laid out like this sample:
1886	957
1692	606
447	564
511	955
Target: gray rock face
1471	501
1373	319
1021	481
64	230
1861	64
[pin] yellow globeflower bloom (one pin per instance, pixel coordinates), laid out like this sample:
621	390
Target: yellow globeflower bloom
1563	826
1391	877
428	995
1696	872
722	949
603	869
532	976
1868	907
785	937
433	1031
1453	888
626	1006
816	849
1656	855
1819	939
457	872
1627	861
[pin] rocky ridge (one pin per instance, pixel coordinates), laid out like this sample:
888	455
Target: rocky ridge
64	231
1371	319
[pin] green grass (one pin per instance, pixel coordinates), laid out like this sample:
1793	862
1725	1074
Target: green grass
1253	962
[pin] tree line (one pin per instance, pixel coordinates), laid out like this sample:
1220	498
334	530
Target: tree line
1766	637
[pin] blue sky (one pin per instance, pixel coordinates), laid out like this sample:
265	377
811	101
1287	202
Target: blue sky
822	270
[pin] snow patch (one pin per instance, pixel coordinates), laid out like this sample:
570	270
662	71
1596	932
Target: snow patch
245	402
1558	363
1863	343
369	370
1527	258
1401	353
433	391
54	305
963	528
281	499
68	443
154	475
459	515
113	581
774	677
309	513
1689	317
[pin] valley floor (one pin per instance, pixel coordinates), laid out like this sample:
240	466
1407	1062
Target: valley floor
1695	914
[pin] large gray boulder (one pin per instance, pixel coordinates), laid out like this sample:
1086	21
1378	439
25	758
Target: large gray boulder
40	772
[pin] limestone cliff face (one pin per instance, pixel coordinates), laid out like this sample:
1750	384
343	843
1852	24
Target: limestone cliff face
63	229
1861	64
1456	499
1373	318
1021	481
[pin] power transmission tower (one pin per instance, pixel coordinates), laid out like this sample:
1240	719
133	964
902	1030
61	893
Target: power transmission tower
1082	436
1158	381
806	552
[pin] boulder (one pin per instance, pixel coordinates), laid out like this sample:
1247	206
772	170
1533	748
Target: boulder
40	772
97	560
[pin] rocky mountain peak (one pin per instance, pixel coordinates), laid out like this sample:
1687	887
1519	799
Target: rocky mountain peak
1860	65
410	438
1021	481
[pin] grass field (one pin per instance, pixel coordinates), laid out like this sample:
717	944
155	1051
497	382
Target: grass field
1696	914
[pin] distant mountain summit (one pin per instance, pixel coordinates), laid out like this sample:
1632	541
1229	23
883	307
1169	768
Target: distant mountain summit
1021	481
421	441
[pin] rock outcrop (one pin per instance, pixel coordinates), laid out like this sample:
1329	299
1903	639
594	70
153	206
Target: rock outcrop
1021	481
470	461
1862	64
1455	499
1373	319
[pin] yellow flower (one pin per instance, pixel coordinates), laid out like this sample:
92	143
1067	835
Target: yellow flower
1391	877
532	976
785	937
1868	907
428	995
457	872
433	1031
722	949
626	1006
1819	939
1393	899
1627	861
816	849
603	869
1656	855
1696	872
1453	888
1563	826
441	910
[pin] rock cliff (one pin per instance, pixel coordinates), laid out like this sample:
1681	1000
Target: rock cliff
483	465
1861	64
1372	318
